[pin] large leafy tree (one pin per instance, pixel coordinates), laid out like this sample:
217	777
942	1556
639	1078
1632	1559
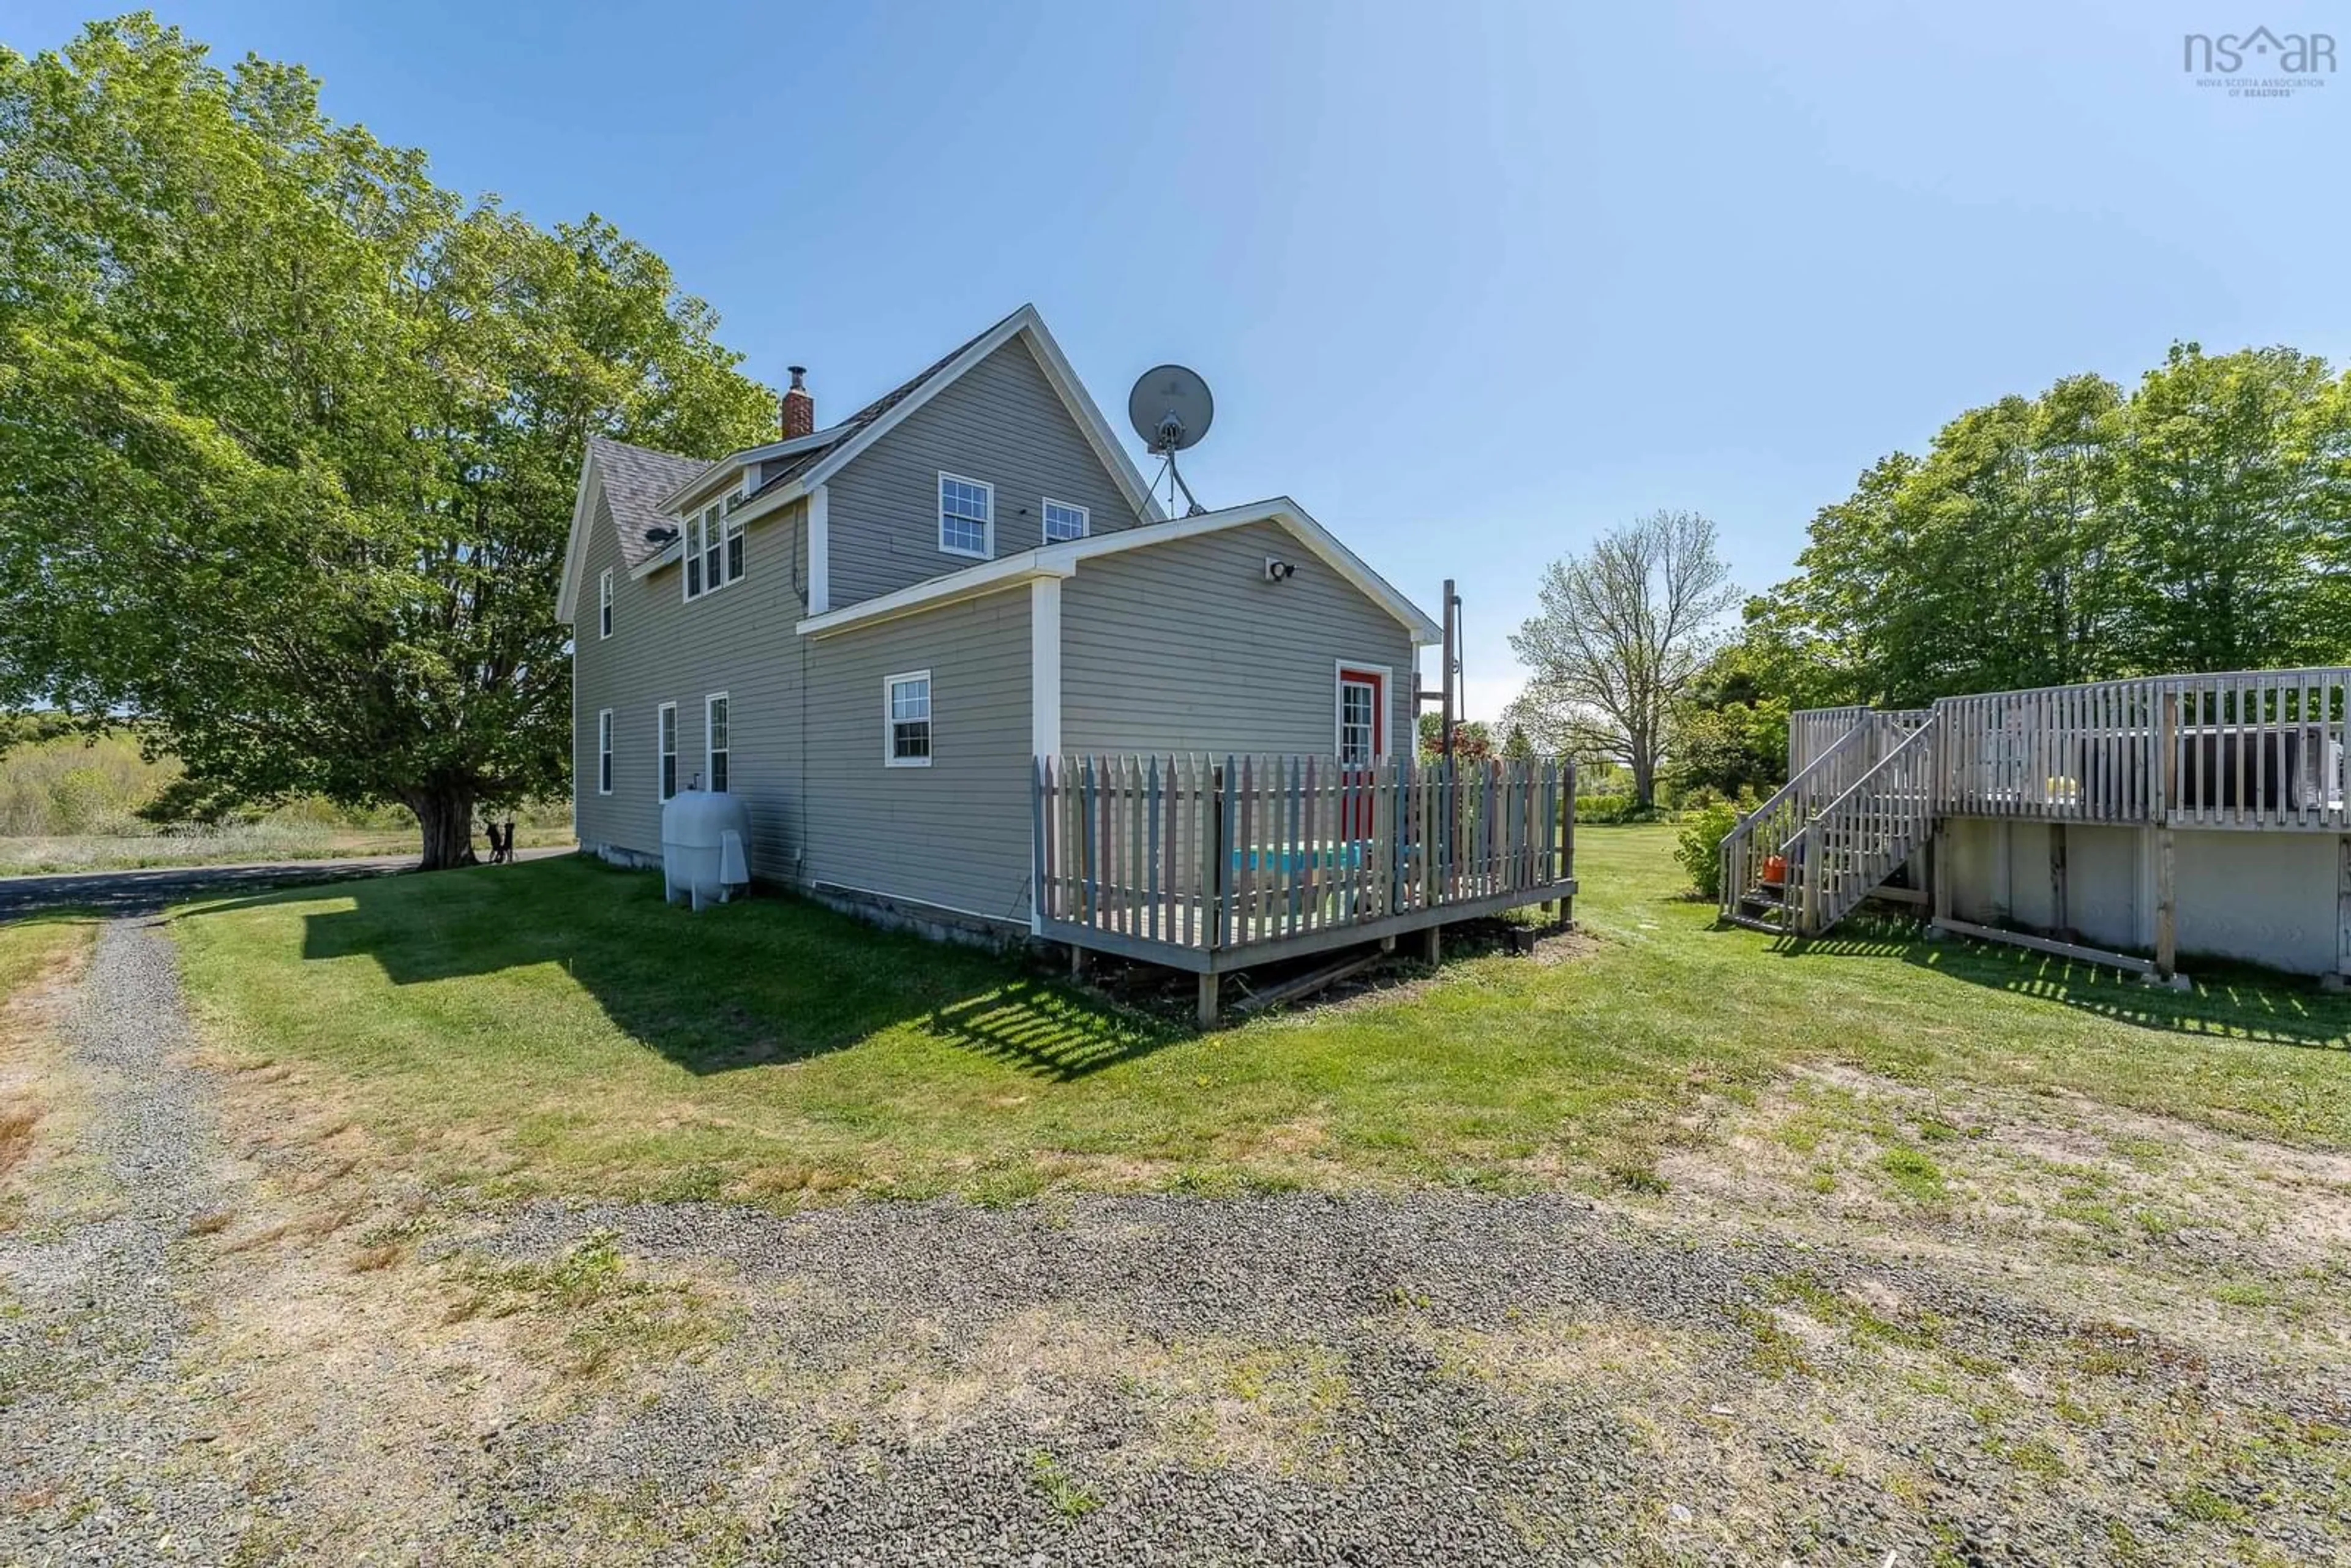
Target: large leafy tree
2203	522
288	434
2233	481
1623	632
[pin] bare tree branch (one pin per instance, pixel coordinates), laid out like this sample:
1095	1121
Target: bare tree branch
1624	630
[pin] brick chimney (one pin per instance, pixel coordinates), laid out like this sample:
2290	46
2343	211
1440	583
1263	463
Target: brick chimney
798	407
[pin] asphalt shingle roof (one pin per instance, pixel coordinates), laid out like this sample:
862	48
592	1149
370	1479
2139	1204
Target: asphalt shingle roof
635	480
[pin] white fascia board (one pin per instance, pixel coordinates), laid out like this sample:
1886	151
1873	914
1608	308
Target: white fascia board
750	455
1063	560
1356	571
1293	518
1089	415
1022	323
947	375
575	545
990	577
670	554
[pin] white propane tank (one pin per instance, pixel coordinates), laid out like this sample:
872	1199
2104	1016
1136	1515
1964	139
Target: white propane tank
705	845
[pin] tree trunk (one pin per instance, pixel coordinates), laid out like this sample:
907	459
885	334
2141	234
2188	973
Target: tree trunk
1645	779
446	817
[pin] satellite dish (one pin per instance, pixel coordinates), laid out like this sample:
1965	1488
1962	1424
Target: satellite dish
1170	408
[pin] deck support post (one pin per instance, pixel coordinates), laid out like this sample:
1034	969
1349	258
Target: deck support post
1077	964
2167	794
1432	946
2059	913
2341	978
1210	998
1939	873
2167	907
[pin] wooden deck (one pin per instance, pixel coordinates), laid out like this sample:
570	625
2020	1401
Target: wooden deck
1212	865
2253	751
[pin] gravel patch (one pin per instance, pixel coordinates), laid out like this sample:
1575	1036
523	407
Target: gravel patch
1521	1380
1422	1377
98	1415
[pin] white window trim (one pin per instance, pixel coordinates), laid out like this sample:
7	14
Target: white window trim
1085	521
710	752
607	771
695	548
1384	720
987	523
889	733
670	708
605	605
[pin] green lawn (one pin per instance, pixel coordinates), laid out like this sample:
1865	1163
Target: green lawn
35	948
555	1029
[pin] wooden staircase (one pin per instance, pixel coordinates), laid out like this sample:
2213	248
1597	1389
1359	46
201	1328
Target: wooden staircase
1836	832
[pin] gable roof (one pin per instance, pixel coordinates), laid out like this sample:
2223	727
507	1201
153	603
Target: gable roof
869	424
805	462
632	480
1062	560
807	450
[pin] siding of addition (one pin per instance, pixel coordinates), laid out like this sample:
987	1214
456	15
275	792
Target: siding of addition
1002	423
1186	647
738	641
955	834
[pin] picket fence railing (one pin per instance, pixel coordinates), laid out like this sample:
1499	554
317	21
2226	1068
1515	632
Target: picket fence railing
1218	855
2258	749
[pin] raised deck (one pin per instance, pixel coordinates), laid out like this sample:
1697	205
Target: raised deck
1216	865
1873	793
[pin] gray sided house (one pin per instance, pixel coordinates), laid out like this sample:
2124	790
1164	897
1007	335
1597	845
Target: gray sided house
870	632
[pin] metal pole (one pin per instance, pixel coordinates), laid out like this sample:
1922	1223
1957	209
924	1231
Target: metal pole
1445	734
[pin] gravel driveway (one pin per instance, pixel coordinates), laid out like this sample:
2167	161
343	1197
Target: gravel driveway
148	889
90	1357
252	1350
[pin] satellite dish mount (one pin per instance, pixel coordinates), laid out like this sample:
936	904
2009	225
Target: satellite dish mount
1170	408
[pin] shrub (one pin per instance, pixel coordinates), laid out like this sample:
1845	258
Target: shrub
1612	810
1700	851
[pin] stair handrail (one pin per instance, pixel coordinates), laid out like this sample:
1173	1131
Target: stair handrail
1810	871
1739	865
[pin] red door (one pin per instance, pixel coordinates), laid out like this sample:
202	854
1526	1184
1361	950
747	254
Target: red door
1363	739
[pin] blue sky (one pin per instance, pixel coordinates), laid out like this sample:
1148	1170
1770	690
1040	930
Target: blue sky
1472	282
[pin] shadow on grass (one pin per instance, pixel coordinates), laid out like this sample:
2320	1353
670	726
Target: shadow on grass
2233	1000
1046	1031
757	982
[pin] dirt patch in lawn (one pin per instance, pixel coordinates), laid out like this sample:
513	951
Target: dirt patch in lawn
41	1102
2145	1218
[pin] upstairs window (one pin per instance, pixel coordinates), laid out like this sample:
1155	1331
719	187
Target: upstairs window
967	517
906	720
713	550
665	770
715	744
1063	521
604	604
